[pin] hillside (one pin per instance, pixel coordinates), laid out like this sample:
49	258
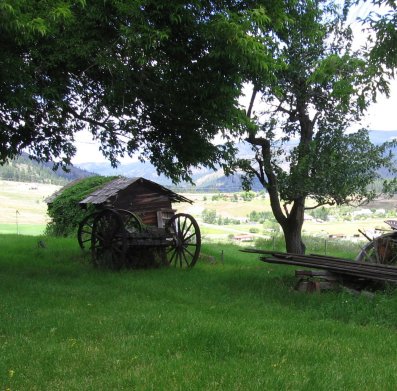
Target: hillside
23	169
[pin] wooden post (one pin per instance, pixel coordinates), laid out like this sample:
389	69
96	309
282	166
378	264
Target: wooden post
16	220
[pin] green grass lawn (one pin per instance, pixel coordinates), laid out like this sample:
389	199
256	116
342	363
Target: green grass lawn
233	326
23	229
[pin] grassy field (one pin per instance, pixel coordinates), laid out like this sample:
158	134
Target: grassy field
233	326
23	207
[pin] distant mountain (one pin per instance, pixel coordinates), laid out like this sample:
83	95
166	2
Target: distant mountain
24	169
205	180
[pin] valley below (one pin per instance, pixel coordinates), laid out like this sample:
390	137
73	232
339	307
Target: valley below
235	218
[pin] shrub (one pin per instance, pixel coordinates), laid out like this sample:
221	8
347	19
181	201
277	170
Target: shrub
65	211
320	213
209	216
248	195
260	217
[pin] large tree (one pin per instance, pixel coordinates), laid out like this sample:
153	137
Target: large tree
156	78
300	140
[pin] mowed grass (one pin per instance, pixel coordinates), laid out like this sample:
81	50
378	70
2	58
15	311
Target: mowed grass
23	229
236	325
24	204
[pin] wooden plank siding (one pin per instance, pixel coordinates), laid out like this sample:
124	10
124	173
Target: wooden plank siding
152	202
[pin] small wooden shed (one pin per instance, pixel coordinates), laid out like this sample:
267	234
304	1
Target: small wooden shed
149	200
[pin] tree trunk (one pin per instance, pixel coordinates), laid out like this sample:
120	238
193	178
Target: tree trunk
293	238
292	228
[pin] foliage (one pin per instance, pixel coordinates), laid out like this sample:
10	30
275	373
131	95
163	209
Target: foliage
147	77
65	211
248	195
384	25
320	213
260	217
219	197
209	216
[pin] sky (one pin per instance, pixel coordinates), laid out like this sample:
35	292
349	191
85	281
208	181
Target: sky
380	116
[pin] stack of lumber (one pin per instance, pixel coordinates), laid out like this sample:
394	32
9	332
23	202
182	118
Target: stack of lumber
340	266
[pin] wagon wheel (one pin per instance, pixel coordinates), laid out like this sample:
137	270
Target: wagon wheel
132	222
108	241
84	231
380	250
186	240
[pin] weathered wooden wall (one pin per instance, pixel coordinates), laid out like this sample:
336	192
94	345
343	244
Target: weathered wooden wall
142	200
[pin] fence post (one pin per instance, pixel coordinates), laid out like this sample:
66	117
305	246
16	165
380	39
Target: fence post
16	220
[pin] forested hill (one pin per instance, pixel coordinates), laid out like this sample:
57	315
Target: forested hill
23	169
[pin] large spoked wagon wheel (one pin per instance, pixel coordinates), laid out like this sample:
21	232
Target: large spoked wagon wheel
108	240
84	231
132	222
380	250
186	240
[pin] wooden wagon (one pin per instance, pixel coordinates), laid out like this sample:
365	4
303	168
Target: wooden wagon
135	225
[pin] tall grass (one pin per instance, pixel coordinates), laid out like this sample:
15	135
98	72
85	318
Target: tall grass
231	325
315	245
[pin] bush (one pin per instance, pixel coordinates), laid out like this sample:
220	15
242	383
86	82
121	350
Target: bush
248	195
209	216
320	213
65	211
260	217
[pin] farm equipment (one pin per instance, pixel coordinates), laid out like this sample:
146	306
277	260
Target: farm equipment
133	224
382	249
375	265
117	238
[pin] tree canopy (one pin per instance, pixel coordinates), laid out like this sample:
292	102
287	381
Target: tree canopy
154	78
383	22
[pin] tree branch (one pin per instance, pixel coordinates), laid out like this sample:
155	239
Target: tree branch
86	119
251	104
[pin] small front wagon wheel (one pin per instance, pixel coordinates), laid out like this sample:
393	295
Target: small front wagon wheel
186	240
108	241
84	232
